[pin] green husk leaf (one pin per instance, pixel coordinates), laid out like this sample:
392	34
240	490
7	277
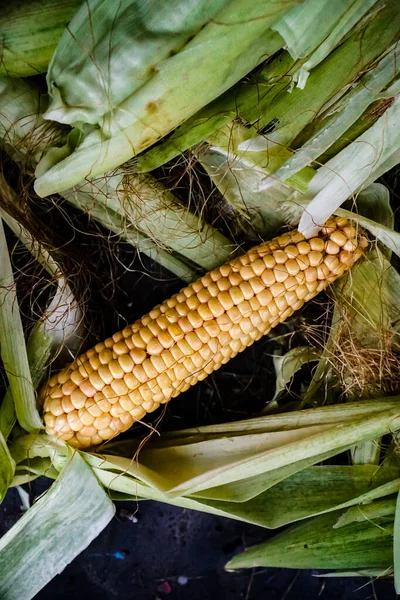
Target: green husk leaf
328	488
12	345
7	467
27	39
367	512
315	544
238	184
77	508
396	546
347	110
192	467
162	104
350	170
124	46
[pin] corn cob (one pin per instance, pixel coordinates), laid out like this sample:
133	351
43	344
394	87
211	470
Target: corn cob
104	391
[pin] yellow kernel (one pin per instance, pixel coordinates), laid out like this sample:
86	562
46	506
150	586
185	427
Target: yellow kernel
93	409
291	298
94	362
246	325
268	277
215	307
104	405
140	373
291	251
280	273
55	407
126	363
56	392
349	231
117	337
105	356
63	376
246	290
154	328
85	416
194	341
115	369
244	308
317	244
277	289
322	271
119	386
258	267
138	342
88	389
339	238
102	421
225	300
131	381
345	256
68	387
235	278
254	303
185	324
137	355
291	283
182	309
312	286
126	403
109	343
256	285
315	258
85	369
246	273
332	247
264	297
154	347
224	322
205	312
303	262
49	419
301	292
105	374
74	421
97	381
138	413
158	362
292	267
76	377
303	247
350	246
332	262
223	284
149	369
280	257
281	303
109	393
120	348
311	274
175	331
203	295
145	334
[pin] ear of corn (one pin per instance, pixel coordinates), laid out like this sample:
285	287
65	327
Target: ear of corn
181	341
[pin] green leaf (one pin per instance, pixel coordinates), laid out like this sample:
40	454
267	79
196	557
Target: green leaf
192	467
310	492
28	39
53	531
12	345
396	546
315	544
167	98
367	512
7	467
350	170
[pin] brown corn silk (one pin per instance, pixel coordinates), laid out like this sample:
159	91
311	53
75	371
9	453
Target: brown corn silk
184	339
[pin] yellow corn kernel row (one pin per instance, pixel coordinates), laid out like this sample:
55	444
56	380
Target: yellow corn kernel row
193	333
